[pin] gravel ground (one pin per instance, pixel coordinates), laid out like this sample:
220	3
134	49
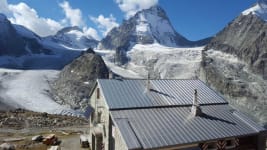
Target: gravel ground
68	136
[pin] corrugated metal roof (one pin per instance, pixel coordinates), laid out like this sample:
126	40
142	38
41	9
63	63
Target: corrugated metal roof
132	93
161	127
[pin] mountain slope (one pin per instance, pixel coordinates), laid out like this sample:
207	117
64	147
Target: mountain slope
146	27
245	37
235	62
16	40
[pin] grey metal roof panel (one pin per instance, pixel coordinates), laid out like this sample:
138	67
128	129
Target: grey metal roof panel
161	127
250	122
132	93
125	126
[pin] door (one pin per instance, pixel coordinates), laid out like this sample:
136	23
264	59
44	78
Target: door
99	143
93	142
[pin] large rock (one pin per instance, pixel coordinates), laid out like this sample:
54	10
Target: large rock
7	146
78	78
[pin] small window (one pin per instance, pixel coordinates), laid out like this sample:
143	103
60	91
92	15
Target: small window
230	144
97	93
99	115
212	146
92	116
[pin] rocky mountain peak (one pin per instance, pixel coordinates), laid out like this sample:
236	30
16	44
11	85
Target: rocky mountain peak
78	78
147	26
155	10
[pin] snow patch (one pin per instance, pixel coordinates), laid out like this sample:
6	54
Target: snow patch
143	27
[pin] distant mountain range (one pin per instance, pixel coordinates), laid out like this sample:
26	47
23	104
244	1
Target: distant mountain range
16	40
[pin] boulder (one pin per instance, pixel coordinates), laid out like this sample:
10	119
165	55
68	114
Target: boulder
7	146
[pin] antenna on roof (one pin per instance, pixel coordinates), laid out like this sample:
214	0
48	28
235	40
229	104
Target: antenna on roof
195	110
148	82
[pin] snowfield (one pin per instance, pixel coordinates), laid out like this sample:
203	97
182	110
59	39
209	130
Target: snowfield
160	61
29	89
27	86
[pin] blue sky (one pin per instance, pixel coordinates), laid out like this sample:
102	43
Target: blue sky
195	19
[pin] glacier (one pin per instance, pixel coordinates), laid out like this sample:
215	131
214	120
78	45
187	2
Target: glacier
158	60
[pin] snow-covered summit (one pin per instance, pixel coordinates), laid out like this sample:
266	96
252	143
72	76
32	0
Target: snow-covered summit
260	9
74	37
148	26
154	22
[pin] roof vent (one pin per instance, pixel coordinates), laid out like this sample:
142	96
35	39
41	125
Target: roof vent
110	75
195	110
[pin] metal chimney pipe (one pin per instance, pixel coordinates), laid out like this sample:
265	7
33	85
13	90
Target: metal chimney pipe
195	110
110	74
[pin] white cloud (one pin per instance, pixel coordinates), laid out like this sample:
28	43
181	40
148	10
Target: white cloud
130	7
22	14
105	24
91	32
74	16
28	17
